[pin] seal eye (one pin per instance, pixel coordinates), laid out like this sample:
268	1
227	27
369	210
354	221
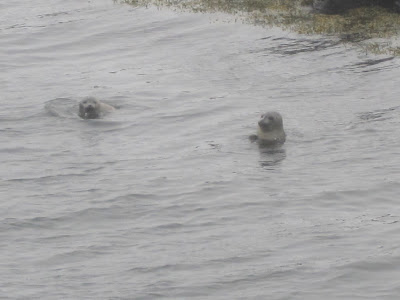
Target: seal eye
270	118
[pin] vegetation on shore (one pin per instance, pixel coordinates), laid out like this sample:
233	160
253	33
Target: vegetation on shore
374	28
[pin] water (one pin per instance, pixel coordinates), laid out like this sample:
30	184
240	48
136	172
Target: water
166	197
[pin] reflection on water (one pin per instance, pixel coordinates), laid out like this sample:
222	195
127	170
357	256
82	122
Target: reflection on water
293	46
373	65
271	156
378	115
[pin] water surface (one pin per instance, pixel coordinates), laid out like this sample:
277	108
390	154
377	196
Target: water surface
166	197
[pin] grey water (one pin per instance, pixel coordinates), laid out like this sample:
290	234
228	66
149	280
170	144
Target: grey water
166	197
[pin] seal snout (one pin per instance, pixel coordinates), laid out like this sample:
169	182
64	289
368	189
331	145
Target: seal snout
269	121
264	124
89	108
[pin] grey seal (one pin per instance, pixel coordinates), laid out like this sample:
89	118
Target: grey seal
91	108
270	130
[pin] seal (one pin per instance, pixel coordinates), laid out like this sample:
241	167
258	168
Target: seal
270	130
91	108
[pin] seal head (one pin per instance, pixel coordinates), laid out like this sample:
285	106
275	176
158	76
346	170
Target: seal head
89	108
270	130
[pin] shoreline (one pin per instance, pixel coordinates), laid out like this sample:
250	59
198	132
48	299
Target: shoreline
374	29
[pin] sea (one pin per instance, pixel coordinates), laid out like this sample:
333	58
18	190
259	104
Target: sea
166	197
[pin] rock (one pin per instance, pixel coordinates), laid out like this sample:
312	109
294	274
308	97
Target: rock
339	6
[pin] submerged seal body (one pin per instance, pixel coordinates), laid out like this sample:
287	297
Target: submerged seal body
270	130
91	108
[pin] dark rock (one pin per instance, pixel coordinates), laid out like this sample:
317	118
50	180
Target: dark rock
340	6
